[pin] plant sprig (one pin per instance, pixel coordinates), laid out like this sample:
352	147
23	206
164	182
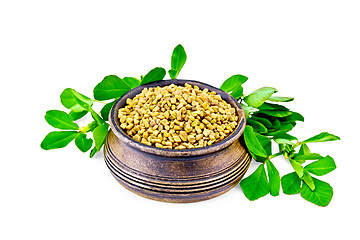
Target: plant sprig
110	89
268	122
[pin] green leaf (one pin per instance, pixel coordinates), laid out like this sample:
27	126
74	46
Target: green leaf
178	59
275	113
258	127
265	143
106	110
307	156
132	82
247	110
285	136
308	180
83	143
283	140
292	118
111	87
58	139
263	121
252	143
237	94
99	135
290	183
322	137
256	185
60	120
77	115
321	166
233	82
280	99
297	167
259	96
173	74
68	100
155	74
322	194
274	178
304	149
233	86
273	106
275	123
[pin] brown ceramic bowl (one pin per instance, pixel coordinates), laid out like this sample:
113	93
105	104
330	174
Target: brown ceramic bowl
173	175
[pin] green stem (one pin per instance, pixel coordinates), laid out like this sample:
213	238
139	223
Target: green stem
99	101
275	155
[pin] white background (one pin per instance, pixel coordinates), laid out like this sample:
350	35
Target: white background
306	49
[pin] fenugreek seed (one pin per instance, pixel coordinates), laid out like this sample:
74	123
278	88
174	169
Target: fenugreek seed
183	135
123	119
176	138
206	132
159	145
180	147
137	138
191	138
194	117
198	129
155	140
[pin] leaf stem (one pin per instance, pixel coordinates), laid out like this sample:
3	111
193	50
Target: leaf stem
99	101
275	155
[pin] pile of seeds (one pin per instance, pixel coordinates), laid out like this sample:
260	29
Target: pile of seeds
177	117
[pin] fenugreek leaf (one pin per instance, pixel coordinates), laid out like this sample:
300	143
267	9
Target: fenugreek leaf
308	180
99	135
274	178
83	143
307	156
321	195
77	115
68	100
290	183
259	96
256	185
132	82
297	167
321	166
106	110
322	137
257	126
60	120
280	99
111	87
265	142
276	113
155	74
253	143
233	85
264	121
58	139
178	59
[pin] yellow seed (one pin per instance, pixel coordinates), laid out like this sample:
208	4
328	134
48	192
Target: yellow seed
176	138
198	129
159	145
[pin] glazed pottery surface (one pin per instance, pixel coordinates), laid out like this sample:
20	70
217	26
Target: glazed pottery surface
171	175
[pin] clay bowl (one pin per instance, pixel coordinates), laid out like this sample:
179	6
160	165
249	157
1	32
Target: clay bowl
169	175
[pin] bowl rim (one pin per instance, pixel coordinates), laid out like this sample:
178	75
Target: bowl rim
121	102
